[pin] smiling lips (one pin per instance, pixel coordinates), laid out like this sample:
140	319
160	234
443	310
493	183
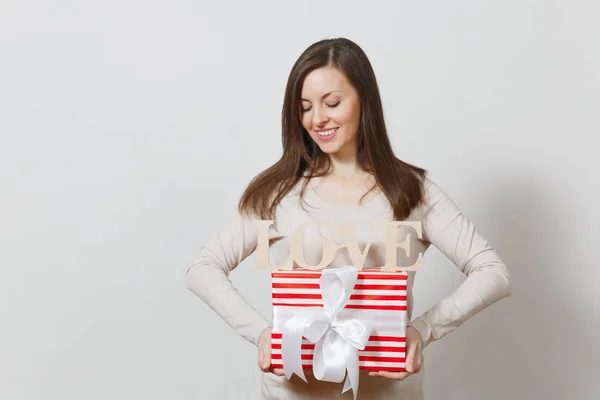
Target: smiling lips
326	134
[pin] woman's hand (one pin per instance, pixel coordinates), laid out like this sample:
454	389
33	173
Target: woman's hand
264	353
414	356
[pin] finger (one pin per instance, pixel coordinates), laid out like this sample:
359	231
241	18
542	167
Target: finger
260	357
277	371
266	361
394	375
412	358
417	360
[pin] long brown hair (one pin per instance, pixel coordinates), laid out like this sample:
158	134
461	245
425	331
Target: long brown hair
402	183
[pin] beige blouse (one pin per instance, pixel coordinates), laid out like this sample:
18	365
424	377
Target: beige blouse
443	225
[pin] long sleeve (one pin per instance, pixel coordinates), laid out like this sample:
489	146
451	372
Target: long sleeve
209	279
456	237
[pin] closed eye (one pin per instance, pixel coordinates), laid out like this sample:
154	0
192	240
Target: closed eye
328	105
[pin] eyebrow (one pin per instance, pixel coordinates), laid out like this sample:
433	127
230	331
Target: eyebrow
325	95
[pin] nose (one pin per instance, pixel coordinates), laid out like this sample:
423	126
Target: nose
319	116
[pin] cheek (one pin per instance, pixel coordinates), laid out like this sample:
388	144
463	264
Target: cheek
349	115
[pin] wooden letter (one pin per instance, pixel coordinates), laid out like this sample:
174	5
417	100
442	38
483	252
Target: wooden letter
392	245
262	247
358	258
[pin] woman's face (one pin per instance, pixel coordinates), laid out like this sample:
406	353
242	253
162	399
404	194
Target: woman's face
330	110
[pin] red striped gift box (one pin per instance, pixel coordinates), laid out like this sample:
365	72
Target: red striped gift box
378	298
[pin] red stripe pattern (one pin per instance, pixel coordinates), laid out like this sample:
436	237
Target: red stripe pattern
374	290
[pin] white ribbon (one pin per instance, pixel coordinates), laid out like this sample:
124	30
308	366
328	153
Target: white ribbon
337	339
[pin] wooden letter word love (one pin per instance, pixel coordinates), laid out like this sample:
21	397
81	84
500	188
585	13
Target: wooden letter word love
346	228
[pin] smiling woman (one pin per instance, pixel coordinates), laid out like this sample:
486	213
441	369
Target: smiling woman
335	142
334	132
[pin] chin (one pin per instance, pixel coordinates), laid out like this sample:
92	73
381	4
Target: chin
329	149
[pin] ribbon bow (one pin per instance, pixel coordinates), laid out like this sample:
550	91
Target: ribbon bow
337	339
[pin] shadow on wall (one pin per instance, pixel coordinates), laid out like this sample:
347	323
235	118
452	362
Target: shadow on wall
517	348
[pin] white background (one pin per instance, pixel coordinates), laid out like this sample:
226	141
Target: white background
129	129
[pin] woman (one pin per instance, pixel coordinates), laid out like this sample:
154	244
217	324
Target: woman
338	163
